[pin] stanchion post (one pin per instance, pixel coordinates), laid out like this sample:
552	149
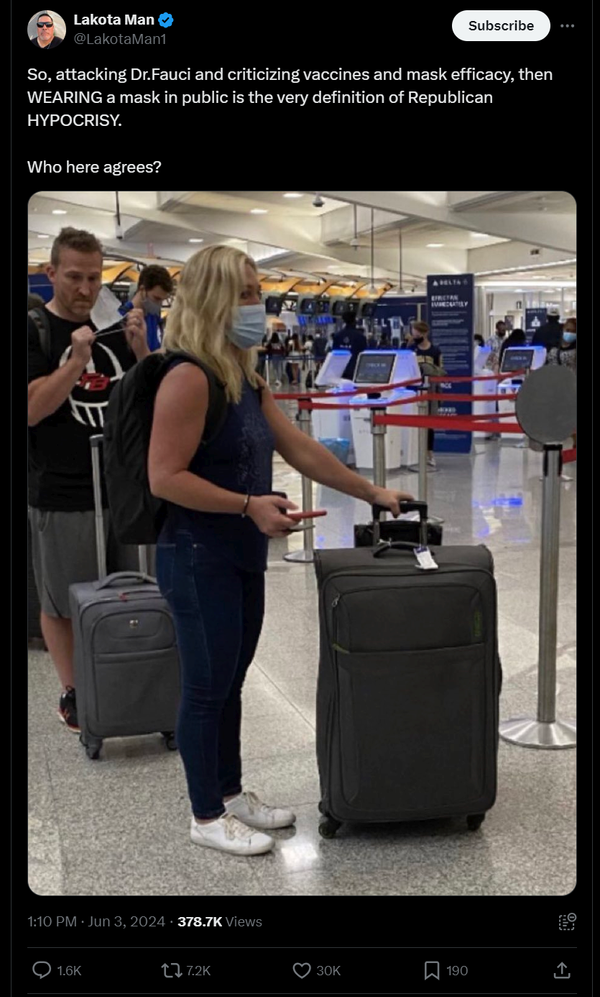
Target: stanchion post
546	731
379	469
423	410
378	432
549	585
268	371
305	556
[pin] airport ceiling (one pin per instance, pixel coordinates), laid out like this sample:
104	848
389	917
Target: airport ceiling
501	236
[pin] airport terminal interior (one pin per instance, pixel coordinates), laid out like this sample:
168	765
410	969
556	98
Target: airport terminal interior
119	824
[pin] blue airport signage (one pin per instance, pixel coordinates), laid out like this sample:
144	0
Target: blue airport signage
450	311
534	318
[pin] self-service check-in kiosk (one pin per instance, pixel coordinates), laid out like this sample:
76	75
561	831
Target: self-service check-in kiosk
517	358
333	423
489	387
380	368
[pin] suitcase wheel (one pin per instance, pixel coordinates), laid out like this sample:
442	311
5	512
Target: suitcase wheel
169	738
474	821
92	747
92	750
328	827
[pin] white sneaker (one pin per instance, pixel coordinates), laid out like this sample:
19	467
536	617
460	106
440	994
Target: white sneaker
249	809
228	834
431	462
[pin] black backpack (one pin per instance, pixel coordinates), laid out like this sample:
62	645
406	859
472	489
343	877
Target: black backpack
137	515
39	317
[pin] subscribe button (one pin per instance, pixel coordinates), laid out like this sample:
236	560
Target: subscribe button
501	25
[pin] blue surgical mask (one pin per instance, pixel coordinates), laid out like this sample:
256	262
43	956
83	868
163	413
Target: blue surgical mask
248	326
569	337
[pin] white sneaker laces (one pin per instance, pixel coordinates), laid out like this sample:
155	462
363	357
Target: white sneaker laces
255	804
234	828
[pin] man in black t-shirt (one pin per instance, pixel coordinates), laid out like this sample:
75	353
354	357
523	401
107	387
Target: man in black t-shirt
349	338
71	375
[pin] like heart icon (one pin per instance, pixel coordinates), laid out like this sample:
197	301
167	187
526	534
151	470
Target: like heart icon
302	969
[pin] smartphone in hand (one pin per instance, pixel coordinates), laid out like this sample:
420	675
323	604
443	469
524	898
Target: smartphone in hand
297	516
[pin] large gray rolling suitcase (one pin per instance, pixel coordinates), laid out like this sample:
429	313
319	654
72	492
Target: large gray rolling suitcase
408	686
125	653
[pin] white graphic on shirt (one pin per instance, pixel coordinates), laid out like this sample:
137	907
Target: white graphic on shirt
96	382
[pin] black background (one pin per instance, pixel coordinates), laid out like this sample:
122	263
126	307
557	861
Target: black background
532	134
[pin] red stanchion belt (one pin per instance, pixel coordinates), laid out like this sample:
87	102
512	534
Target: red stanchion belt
478	377
461	423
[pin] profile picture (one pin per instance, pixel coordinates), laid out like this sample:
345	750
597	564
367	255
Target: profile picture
46	29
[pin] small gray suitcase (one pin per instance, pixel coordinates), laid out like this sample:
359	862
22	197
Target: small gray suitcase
408	685
125	652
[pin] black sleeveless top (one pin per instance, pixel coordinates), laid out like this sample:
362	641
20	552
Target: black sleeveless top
239	459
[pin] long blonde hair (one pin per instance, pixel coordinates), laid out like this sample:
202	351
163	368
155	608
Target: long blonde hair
208	294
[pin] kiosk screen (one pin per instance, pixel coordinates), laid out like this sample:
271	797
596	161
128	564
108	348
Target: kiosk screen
373	369
273	305
516	359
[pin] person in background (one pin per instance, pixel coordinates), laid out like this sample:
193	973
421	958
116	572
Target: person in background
293	347
221	510
70	381
349	338
307	361
549	334
493	361
478	340
276	353
495	343
565	355
516	338
427	354
319	349
155	284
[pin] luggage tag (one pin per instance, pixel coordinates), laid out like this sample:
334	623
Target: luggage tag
425	559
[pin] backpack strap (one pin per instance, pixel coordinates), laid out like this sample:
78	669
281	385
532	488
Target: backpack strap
217	401
42	323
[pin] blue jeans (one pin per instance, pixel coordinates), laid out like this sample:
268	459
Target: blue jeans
218	612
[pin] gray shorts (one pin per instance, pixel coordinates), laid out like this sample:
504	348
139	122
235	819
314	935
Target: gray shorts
63	551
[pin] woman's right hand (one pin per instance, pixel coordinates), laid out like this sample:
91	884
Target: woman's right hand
266	512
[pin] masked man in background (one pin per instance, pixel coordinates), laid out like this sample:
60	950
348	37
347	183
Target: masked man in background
155	284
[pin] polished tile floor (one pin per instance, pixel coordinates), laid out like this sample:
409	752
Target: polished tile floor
120	826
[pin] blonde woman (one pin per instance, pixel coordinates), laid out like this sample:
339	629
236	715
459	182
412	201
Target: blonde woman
212	551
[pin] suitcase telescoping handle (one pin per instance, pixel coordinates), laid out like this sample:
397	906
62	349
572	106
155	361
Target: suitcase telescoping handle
406	506
96	442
